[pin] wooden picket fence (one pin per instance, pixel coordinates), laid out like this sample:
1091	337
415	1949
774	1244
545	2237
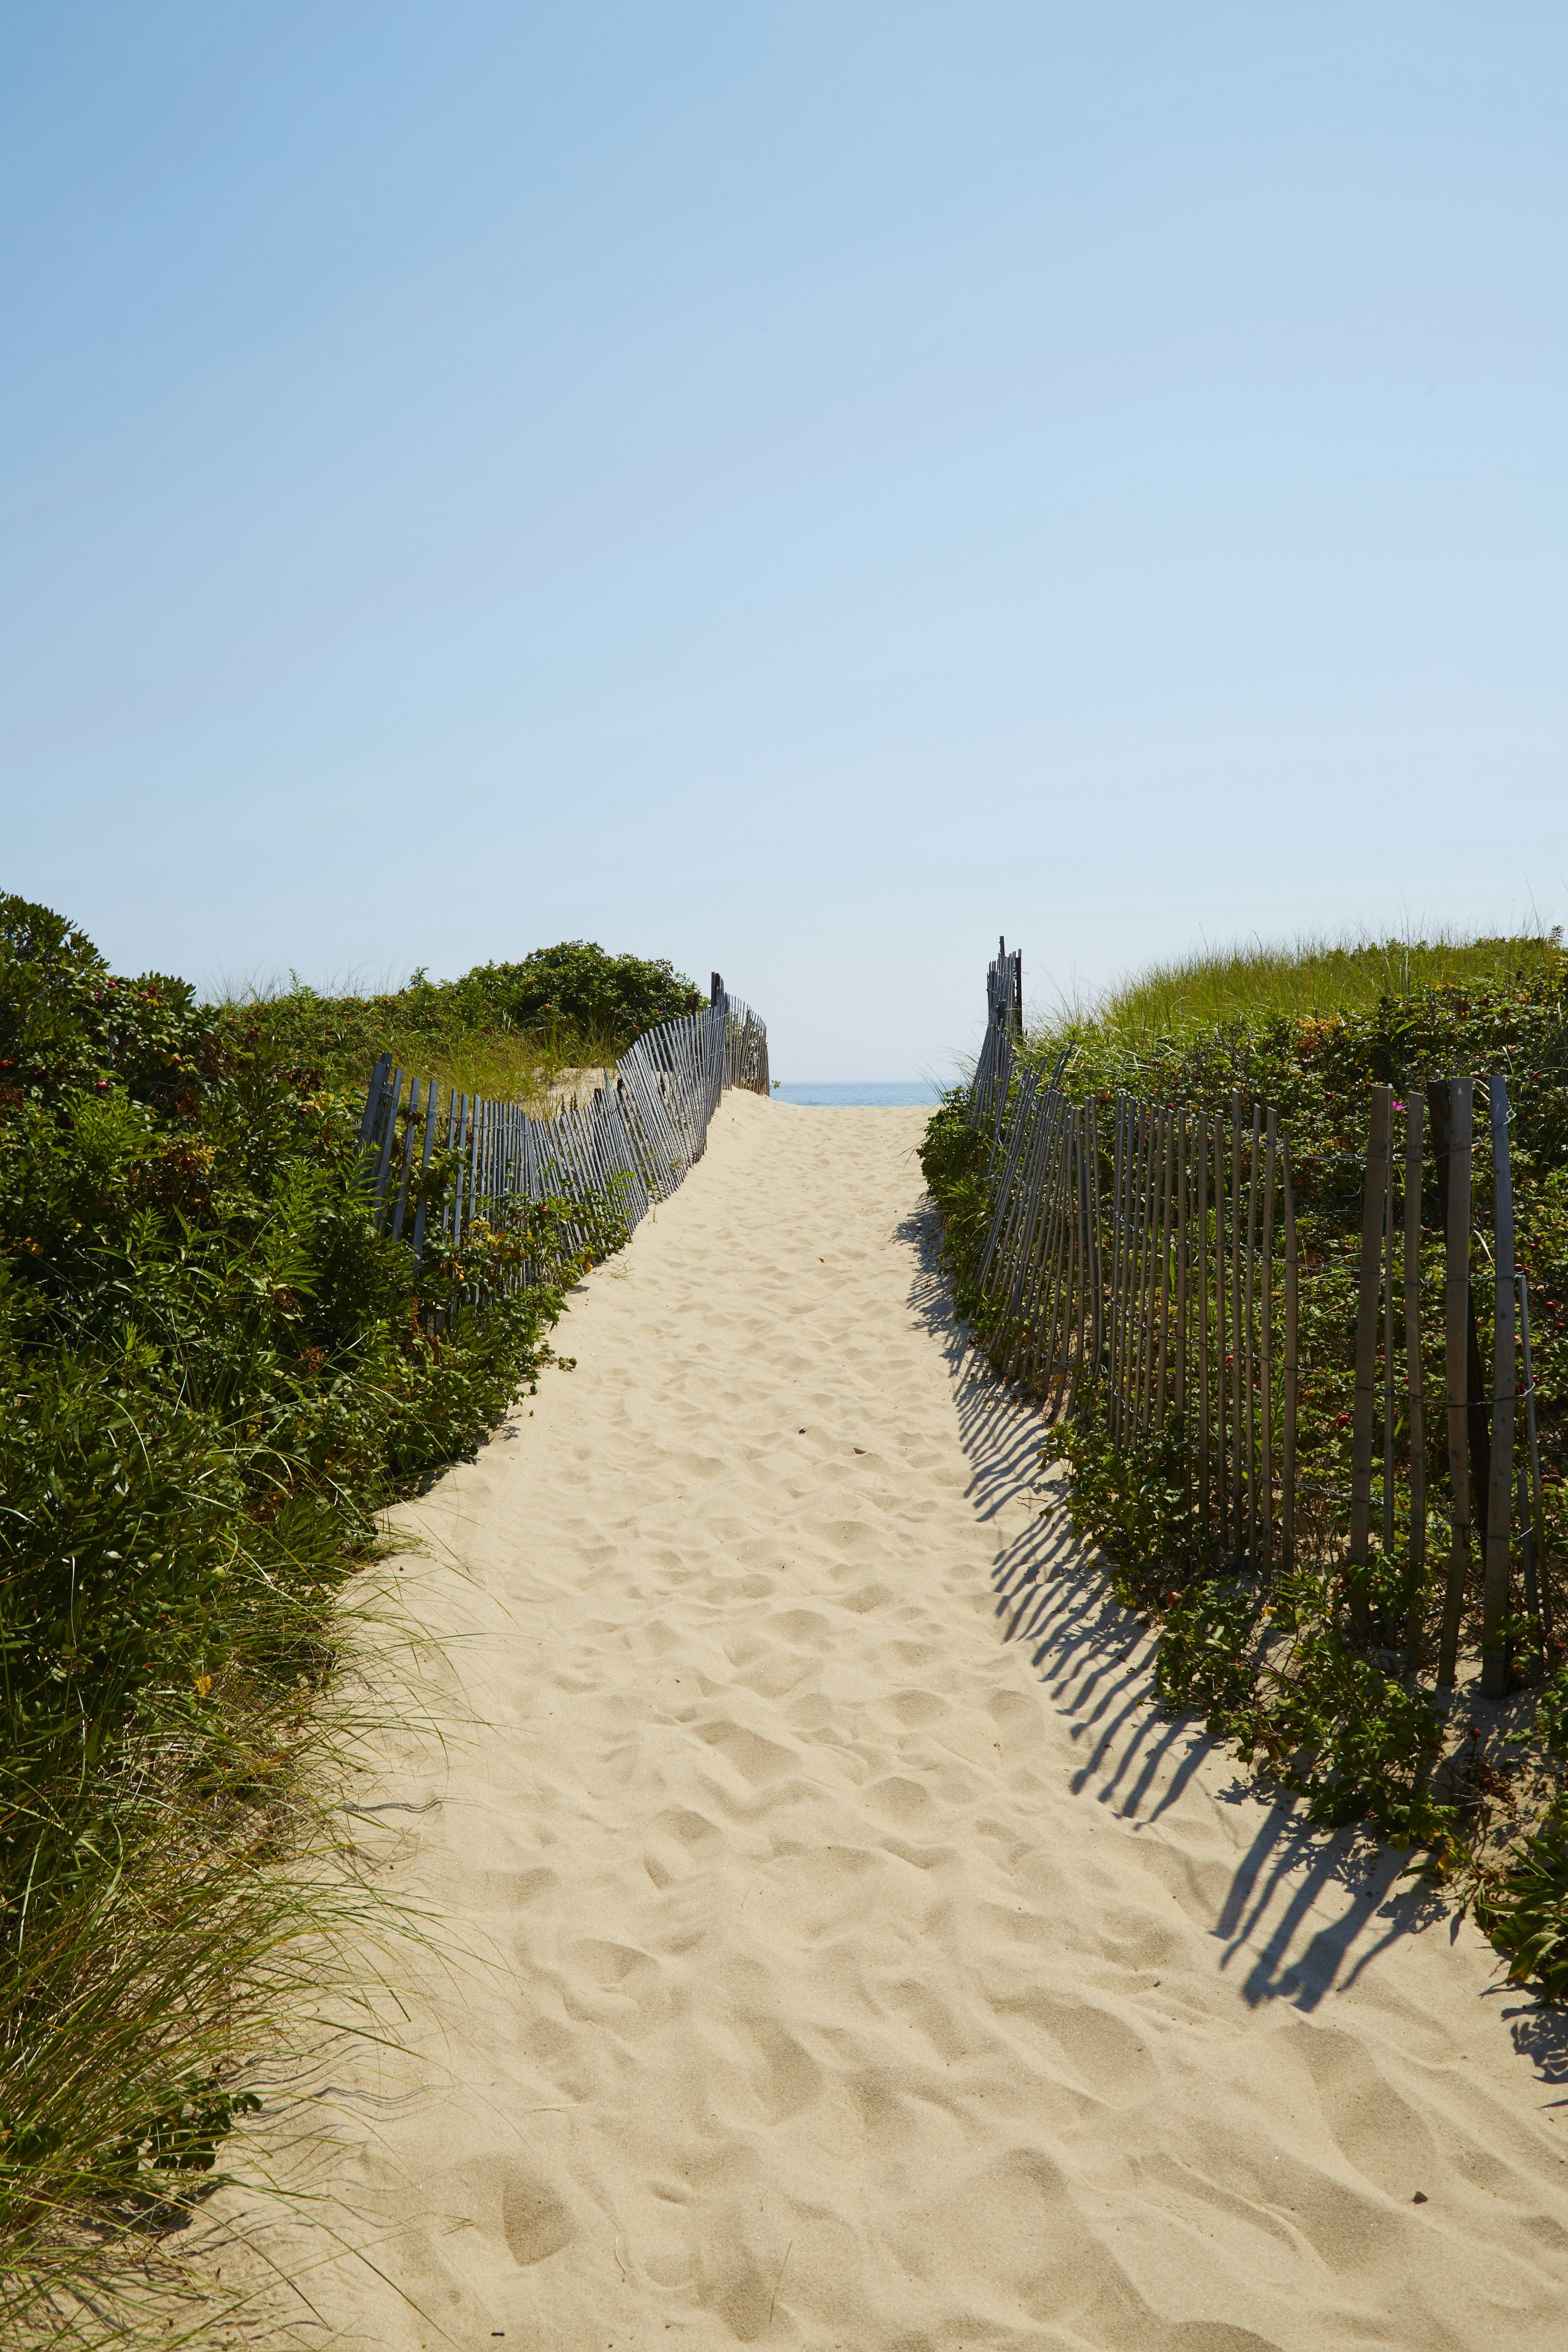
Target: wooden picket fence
628	1147
1155	1266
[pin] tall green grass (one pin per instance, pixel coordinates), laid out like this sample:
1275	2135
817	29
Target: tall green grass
506	1031
1218	986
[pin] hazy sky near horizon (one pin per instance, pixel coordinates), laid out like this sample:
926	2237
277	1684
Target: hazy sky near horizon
798	488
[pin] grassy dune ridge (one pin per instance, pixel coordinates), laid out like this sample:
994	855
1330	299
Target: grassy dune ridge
1314	979
502	1030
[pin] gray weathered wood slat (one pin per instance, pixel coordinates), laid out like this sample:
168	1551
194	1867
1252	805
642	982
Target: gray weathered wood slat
666	1159
1016	1142
1129	1203
1167	1216
1026	1254
1456	1148
1207	1515
1505	1382
1085	1318
1071	1319
409	1116
1052	1226
1143	1264
1536	1520
1093	1238
370	1121
1249	1342
1142	1166
1154	1165
1374	1193
1389	1393
422	1199
1113	1291
1237	1416
1183	1243
1031	1301
1415	1109
637	1109
1148	1285
1288	1435
1222	1519
1019	1128
384	1159
1265	1277
1073	1311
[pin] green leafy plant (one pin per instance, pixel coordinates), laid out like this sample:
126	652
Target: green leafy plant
217	1371
1346	1725
1527	1918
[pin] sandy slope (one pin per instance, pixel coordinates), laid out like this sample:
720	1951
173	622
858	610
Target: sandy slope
868	1966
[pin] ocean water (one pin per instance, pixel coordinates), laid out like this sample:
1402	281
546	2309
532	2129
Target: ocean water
858	1094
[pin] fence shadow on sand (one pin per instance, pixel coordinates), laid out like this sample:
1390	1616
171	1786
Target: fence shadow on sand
1304	1910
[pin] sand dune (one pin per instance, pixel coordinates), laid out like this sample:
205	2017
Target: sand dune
868	1965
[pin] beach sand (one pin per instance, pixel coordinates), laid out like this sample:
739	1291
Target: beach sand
854	1958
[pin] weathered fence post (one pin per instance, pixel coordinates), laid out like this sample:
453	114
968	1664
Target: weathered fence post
1414	1111
1454	1102
1374	1197
1288	1439
1500	1497
1542	1604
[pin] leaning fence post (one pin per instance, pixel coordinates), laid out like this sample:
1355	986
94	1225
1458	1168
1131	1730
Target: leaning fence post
1373	1195
1500	1497
383	1158
378	1079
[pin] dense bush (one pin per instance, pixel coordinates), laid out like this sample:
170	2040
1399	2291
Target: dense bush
601	996
489	1032
216	1372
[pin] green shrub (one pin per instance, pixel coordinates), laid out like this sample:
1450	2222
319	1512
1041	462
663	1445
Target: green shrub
215	1372
599	996
1527	1918
1345	1726
501	1029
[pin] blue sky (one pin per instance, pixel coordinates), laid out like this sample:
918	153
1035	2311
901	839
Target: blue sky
796	488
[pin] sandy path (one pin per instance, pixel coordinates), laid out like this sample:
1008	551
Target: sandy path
868	1967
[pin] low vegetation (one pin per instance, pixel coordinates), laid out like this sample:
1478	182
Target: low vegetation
1357	1731
216	1372
504	1030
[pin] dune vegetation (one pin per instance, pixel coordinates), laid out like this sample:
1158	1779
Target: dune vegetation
1356	1731
1311	979
216	1372
502	1030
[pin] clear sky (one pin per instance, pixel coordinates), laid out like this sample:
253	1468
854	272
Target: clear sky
798	488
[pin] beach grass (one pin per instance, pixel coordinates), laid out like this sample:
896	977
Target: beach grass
1213	987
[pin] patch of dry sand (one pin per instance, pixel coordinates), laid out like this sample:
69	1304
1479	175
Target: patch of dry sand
869	1966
